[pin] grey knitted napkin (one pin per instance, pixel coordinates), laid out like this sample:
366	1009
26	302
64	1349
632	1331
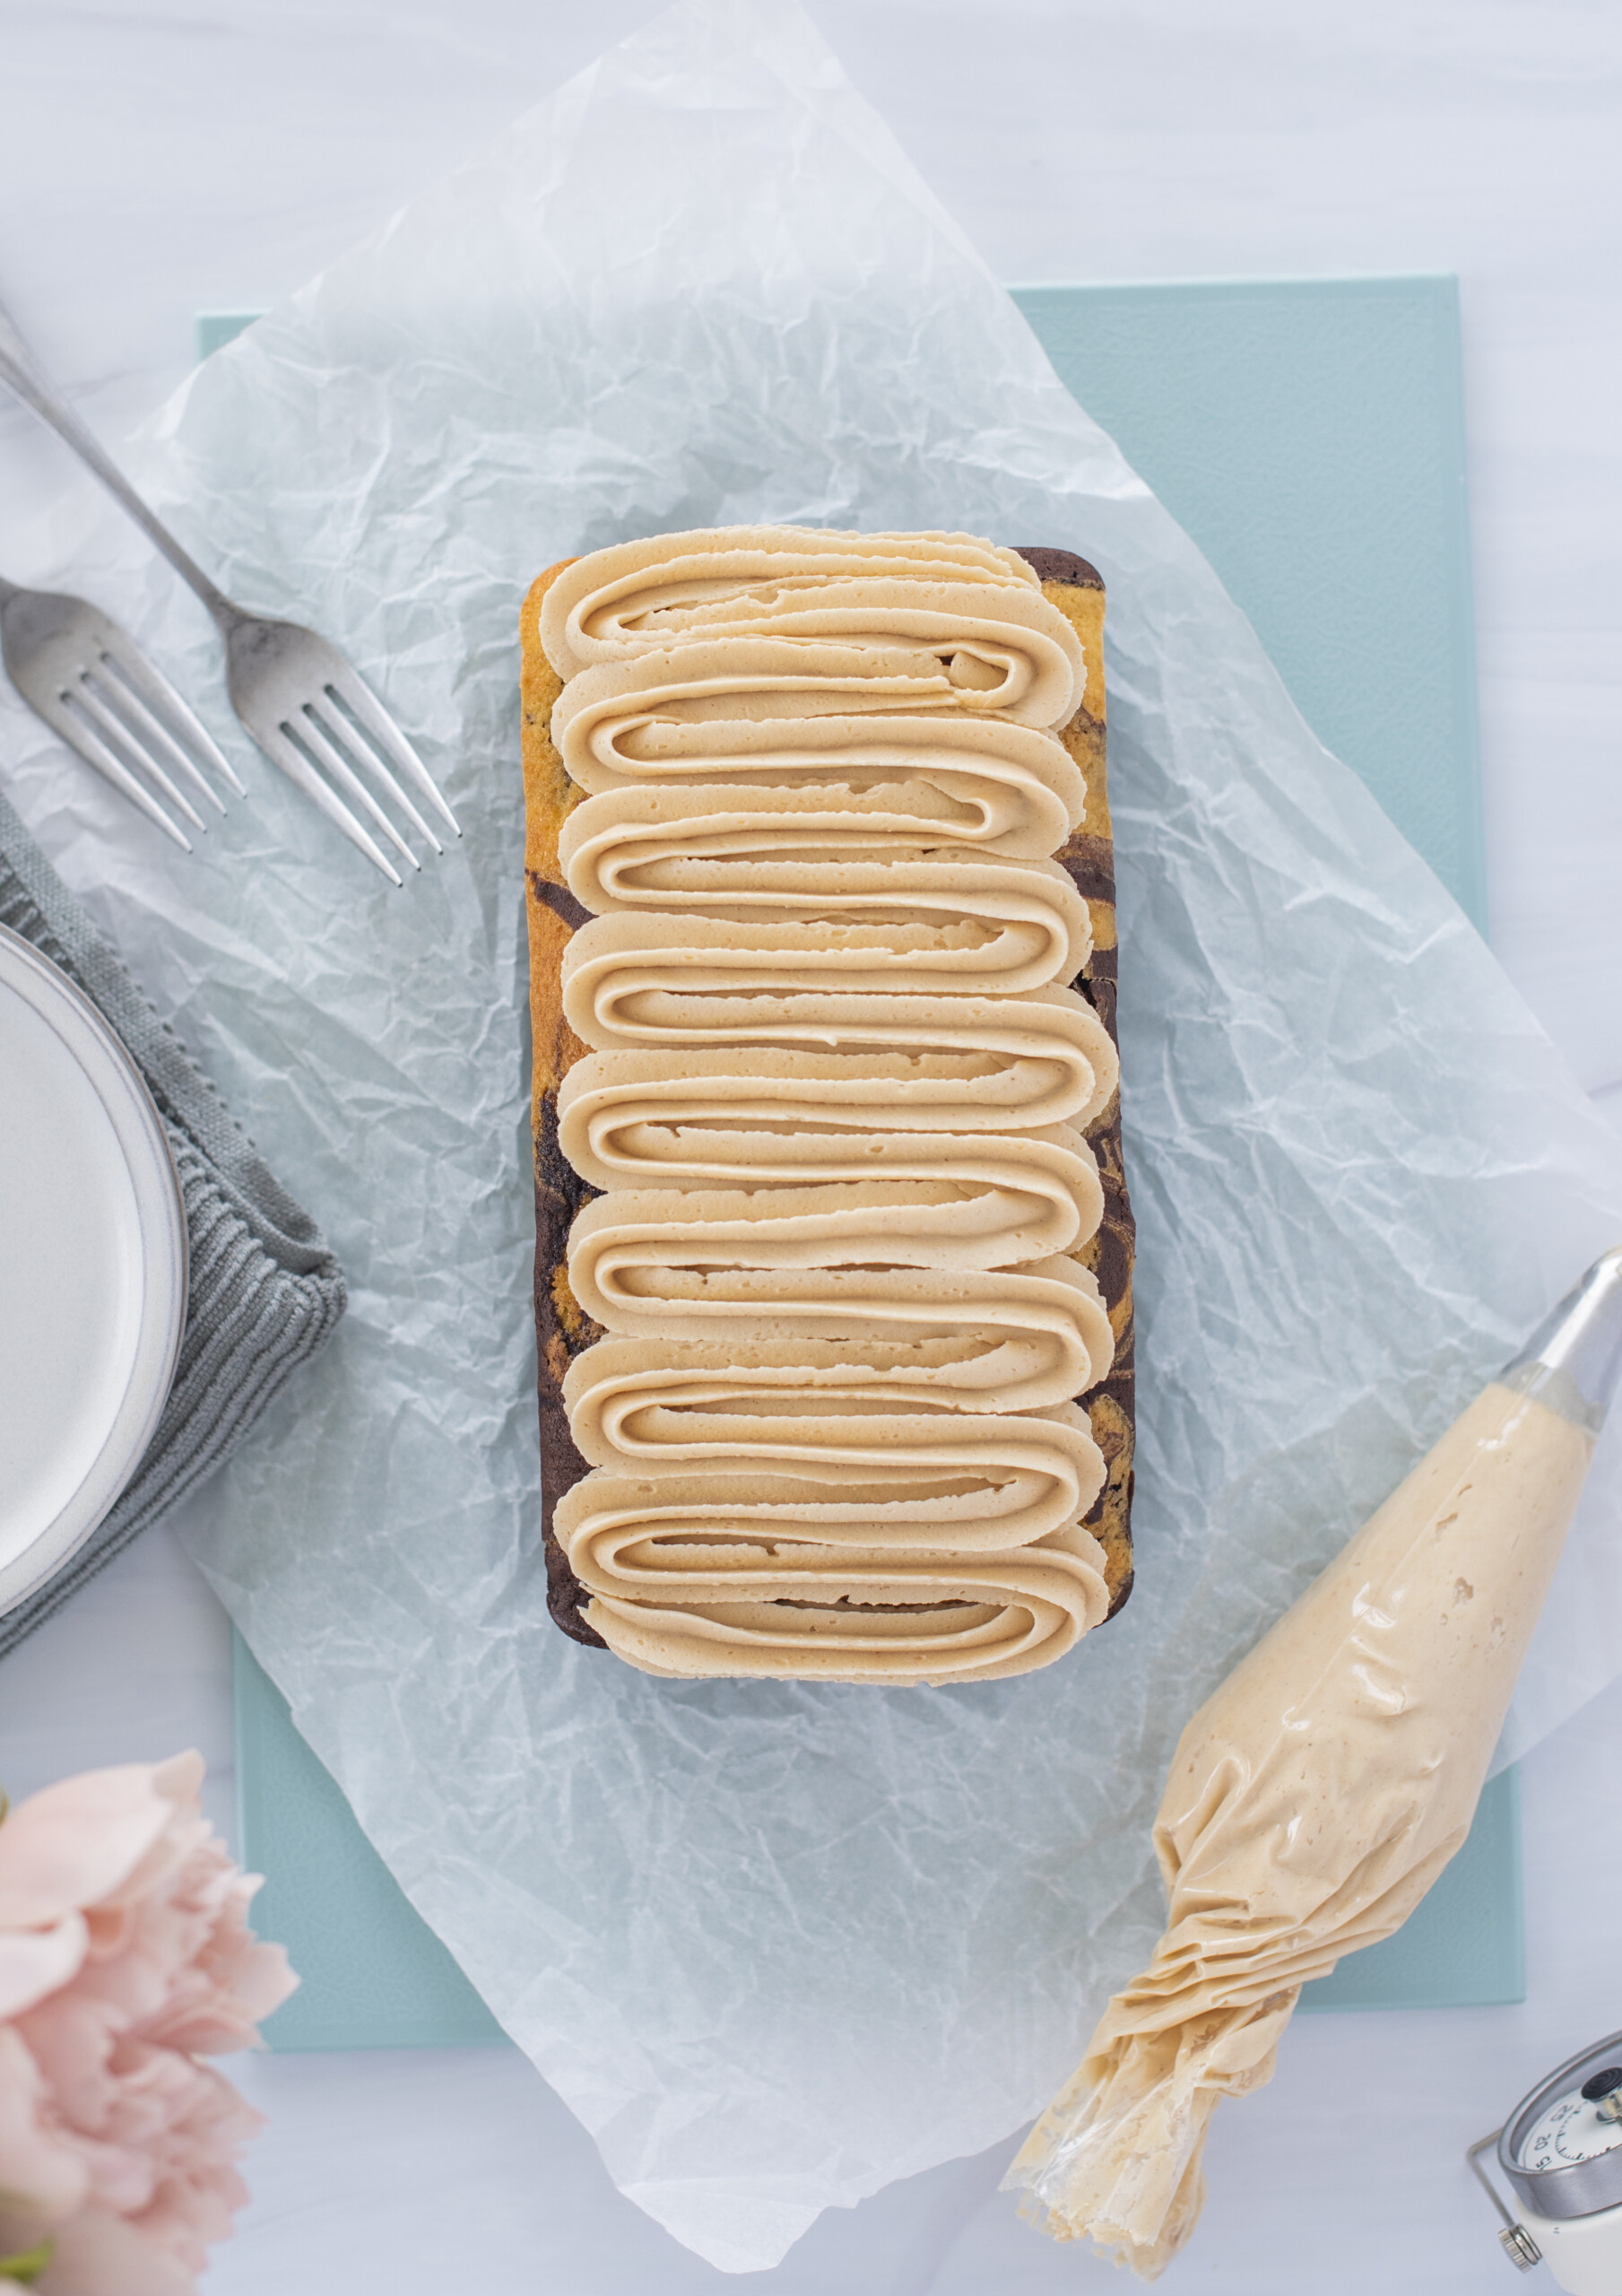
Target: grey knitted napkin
263	1292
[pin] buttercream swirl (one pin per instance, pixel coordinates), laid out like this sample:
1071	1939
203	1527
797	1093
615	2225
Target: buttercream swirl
1002	1081
658	1270
1053	1177
645	1402
1006	929
888	798
884	1625
690	1577
834	1098
622	997
738	582
981	778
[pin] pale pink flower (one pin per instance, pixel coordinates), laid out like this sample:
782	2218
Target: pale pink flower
125	1957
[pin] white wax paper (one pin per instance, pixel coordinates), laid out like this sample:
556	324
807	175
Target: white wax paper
776	1945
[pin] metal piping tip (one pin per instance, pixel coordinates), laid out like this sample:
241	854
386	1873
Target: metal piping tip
1573	1361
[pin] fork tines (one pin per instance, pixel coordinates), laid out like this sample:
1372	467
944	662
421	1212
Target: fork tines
316	717
95	688
334	741
120	704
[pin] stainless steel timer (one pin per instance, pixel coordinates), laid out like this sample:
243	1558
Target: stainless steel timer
1560	2152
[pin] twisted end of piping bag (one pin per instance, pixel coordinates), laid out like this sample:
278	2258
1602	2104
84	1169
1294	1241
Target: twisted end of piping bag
1319	1792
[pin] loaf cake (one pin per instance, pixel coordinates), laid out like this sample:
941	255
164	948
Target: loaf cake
833	1269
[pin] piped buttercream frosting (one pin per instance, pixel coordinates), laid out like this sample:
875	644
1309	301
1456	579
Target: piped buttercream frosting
833	1100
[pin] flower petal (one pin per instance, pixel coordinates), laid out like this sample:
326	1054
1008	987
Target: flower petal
111	2125
42	2180
75	1842
98	2255
71	2040
34	1963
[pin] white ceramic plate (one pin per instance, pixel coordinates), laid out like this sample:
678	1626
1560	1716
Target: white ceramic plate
92	1268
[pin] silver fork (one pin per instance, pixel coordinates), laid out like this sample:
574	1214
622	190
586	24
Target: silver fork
312	714
95	688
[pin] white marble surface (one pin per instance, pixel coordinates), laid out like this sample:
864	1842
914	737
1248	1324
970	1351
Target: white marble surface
212	153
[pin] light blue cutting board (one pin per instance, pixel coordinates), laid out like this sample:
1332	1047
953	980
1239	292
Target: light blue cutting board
1309	435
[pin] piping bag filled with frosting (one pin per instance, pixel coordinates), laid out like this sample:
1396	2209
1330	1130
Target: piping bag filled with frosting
1313	1799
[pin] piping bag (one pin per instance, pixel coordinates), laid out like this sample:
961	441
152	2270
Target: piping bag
1316	1796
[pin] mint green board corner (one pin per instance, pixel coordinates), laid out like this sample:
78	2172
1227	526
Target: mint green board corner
1309	435
374	1974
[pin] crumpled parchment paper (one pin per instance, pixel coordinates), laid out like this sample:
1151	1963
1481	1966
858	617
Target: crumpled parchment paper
775	1944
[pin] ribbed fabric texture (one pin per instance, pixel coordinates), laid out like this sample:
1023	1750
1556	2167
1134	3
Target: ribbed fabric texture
263	1291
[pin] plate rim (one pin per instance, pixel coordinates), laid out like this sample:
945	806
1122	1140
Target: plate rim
110	1070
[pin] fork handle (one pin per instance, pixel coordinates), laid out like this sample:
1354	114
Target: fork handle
22	372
